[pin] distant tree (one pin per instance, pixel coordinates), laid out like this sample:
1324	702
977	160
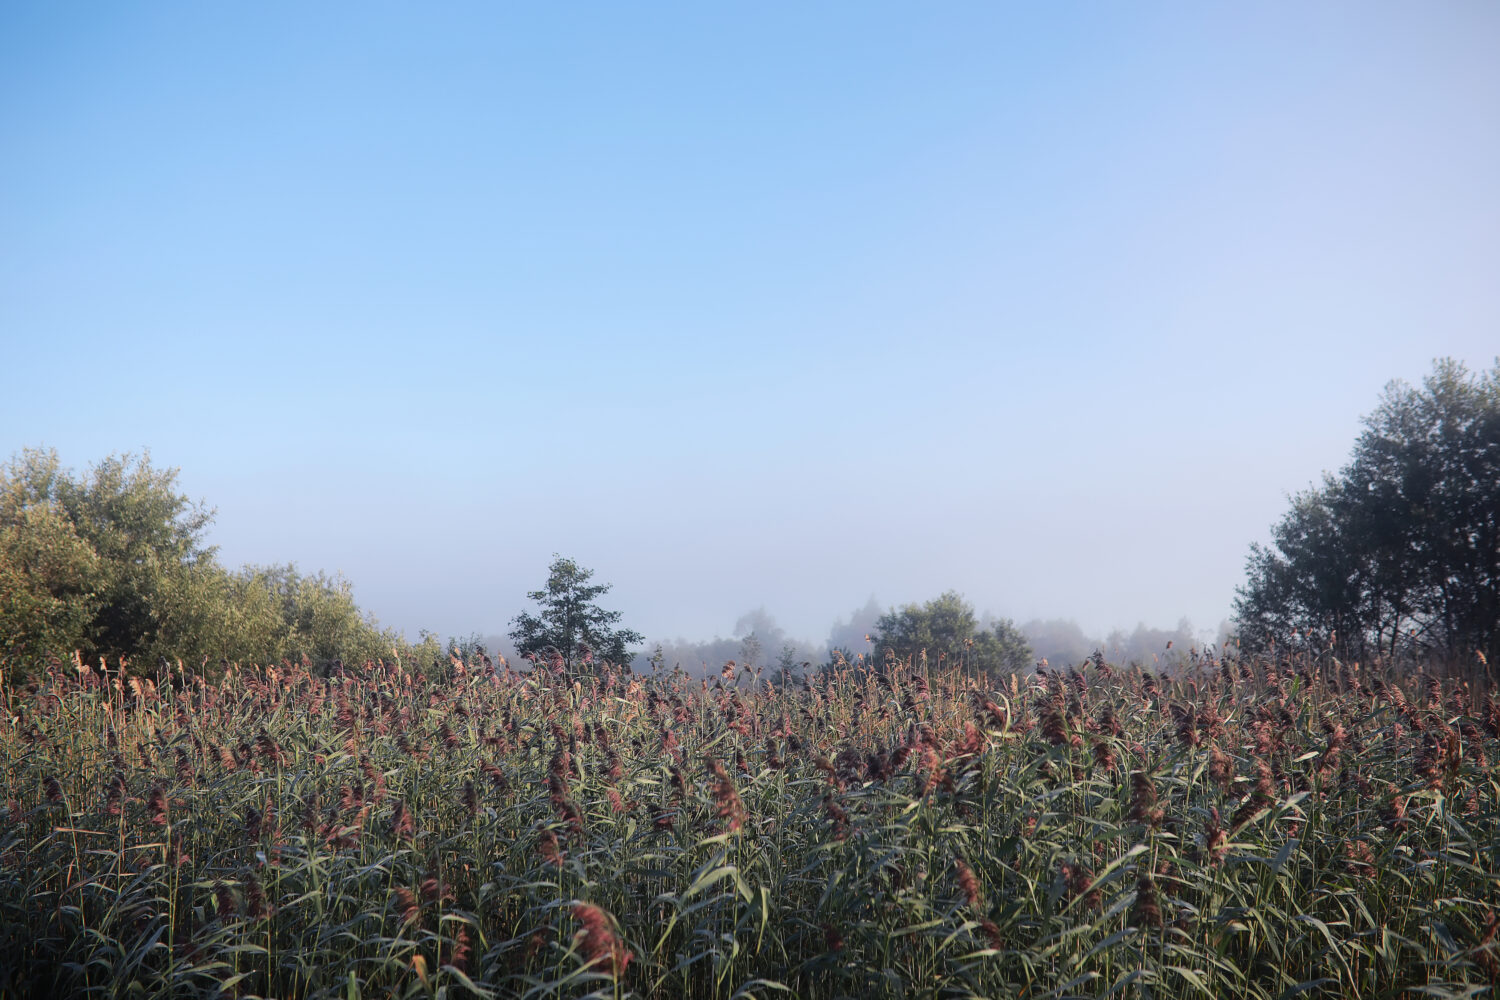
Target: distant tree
947	628
698	659
858	632
838	658
750	650
787	659
570	624
1400	552
468	648
1061	642
756	636
1150	647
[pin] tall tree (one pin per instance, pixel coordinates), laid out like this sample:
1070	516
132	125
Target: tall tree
1400	552
947	628
569	624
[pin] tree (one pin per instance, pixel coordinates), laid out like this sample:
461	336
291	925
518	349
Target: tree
947	628
858	631
1400	552
570	624
1147	646
276	612
48	576
108	559
113	564
1059	641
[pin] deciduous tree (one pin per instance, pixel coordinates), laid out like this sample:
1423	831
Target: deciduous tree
1400	552
946	627
113	564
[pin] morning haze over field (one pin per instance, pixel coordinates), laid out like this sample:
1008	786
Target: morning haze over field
775	318
1058	443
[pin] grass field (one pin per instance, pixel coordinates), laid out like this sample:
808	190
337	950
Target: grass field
1235	829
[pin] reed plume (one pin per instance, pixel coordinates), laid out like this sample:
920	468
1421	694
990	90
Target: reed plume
1146	910
600	945
726	797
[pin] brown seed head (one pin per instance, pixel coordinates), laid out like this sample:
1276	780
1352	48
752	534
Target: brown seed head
727	799
407	905
1146	912
967	881
156	805
224	902
598	941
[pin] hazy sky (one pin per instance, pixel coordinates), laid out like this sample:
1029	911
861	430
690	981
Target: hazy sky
742	304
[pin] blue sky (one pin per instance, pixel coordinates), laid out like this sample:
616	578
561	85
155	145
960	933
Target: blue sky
781	305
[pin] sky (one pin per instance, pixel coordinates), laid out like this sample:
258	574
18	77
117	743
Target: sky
780	305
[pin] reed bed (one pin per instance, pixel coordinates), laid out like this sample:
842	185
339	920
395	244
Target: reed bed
1247	829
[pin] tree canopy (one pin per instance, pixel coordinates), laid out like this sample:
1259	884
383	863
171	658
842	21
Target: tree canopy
569	623
947	628
1400	552
114	564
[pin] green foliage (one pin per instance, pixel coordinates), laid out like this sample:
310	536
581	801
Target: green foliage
946	628
569	624
1400	552
148	538
48	576
106	563
112	564
276	613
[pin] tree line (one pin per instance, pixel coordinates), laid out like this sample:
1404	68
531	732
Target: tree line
571	632
758	639
113	565
1396	555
